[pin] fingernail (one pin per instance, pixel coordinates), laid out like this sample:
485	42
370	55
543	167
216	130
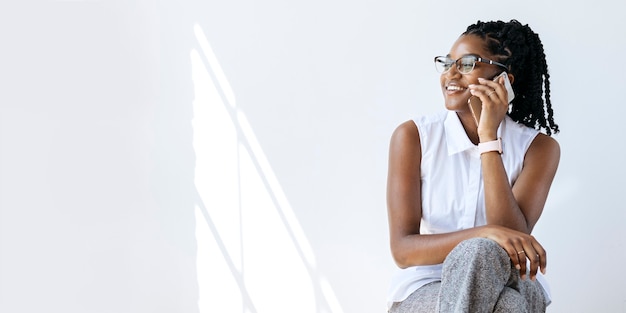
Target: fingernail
472	91
480	79
518	267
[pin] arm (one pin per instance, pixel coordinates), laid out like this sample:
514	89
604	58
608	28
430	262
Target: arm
404	206
517	207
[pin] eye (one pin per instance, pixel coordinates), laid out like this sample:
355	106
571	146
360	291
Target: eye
466	64
443	63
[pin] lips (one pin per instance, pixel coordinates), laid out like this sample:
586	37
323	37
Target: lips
454	88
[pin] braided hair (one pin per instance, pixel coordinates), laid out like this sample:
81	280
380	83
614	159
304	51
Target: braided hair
521	50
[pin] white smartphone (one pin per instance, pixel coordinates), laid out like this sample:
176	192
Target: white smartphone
507	86
476	105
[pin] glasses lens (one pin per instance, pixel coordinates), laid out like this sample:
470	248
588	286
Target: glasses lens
443	64
466	64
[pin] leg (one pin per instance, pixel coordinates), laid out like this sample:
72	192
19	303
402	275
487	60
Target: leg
511	300
533	293
474	274
423	300
521	295
518	294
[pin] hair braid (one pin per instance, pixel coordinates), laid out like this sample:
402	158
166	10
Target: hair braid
518	47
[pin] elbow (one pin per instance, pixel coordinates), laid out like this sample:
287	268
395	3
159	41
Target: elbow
400	256
400	261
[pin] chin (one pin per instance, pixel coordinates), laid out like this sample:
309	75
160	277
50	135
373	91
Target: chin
456	105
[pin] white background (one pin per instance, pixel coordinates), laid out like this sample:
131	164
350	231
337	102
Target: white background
205	156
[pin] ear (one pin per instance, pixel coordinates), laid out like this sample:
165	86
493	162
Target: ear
511	78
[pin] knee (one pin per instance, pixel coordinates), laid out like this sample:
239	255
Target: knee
479	248
479	244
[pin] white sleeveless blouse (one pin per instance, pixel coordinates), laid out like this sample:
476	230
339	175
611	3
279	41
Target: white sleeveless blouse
452	187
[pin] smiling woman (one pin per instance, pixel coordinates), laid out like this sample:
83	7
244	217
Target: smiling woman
461	210
100	185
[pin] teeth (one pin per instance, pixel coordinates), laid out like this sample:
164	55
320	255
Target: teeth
454	88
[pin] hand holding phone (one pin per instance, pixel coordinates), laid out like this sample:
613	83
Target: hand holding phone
476	105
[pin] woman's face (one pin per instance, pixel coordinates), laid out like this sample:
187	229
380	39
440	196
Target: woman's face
454	85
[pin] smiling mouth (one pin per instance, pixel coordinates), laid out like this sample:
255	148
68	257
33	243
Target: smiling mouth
454	88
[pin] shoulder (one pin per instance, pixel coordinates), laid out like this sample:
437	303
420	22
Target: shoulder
411	133
404	156
405	133
545	143
544	149
405	145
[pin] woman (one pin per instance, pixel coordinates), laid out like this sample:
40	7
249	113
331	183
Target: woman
466	186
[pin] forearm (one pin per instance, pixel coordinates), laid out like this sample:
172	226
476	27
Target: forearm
416	249
500	203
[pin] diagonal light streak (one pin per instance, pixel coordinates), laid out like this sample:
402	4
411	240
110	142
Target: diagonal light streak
261	191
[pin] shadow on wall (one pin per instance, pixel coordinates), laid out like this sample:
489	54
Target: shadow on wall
253	255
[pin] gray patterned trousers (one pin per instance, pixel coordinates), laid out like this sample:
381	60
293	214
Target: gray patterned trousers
478	276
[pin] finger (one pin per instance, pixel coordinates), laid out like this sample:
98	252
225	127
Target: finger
484	93
542	255
537	258
498	86
491	83
495	94
521	258
512	252
533	257
534	264
518	258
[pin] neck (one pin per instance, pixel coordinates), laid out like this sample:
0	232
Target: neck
469	124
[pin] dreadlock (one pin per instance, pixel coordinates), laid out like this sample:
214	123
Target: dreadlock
521	50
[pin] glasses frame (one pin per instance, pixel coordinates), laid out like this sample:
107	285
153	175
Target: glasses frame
458	67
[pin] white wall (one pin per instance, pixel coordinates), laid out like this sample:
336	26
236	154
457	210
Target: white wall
203	156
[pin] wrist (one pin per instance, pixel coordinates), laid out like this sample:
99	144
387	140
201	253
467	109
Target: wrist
487	136
490	146
483	231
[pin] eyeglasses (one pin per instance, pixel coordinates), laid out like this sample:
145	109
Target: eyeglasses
464	64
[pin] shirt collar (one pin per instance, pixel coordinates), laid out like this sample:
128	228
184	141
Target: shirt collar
456	138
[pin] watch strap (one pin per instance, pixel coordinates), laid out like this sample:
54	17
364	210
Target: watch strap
494	145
